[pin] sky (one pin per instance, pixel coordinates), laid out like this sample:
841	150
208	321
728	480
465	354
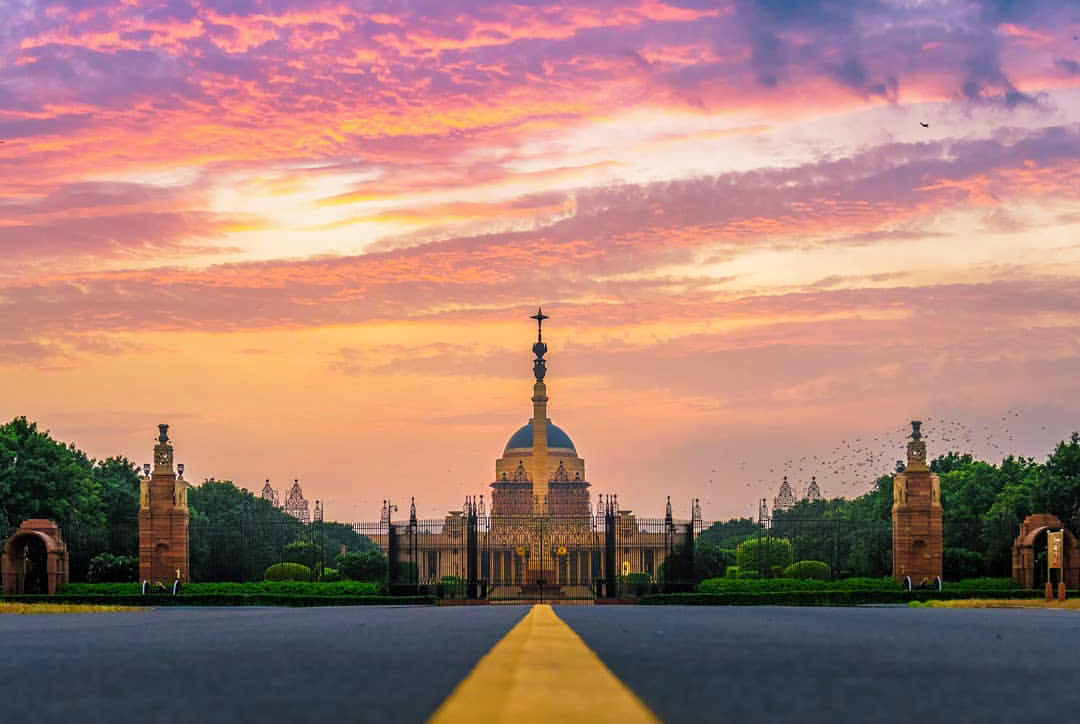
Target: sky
309	235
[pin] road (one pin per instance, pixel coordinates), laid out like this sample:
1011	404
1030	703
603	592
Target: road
398	664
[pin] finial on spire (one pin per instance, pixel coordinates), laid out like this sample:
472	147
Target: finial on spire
539	317
539	349
916	432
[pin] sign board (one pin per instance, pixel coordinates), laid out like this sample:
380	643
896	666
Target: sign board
1055	544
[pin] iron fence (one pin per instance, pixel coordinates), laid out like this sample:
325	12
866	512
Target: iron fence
471	555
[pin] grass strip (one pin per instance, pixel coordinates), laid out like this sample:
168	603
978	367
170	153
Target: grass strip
36	608
1072	604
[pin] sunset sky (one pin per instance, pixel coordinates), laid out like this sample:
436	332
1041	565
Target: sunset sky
308	235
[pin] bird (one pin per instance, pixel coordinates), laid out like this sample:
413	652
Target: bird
924	125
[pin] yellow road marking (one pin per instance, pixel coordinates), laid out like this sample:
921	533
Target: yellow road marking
541	671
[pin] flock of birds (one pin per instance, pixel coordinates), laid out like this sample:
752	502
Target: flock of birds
853	466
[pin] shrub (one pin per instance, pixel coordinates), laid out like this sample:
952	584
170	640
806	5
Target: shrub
367	566
107	568
711	561
301	552
764	553
817	570
330	575
749	573
732	572
287	572
636	584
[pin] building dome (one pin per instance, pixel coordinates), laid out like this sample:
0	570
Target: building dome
556	438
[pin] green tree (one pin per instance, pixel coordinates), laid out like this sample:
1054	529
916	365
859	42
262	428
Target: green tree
729	533
234	535
366	566
43	478
765	555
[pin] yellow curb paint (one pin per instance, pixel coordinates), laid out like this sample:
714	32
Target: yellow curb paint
541	671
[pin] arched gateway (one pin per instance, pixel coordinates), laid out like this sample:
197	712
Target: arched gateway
1029	552
35	558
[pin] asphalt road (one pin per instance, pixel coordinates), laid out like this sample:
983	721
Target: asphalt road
239	665
810	665
689	664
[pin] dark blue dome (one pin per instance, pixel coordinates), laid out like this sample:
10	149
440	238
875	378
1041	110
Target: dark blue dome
555	438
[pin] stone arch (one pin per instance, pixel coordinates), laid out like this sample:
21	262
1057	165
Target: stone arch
1031	539
49	567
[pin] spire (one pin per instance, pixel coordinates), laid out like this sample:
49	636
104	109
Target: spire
539	349
539	422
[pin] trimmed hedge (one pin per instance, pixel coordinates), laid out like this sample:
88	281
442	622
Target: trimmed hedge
982	584
775	585
254	599
825	598
286	588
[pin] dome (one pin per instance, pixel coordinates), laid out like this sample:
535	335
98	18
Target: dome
556	438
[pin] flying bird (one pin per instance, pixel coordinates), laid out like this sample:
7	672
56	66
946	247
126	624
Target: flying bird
924	125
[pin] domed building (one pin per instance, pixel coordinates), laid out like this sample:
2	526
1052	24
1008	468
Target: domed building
541	538
540	471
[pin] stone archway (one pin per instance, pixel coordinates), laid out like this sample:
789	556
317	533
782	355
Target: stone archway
34	558
1031	540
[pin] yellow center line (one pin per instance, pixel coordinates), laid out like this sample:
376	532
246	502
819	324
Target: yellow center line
541	671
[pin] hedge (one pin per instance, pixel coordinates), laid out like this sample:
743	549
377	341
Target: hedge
289	588
826	598
253	599
774	585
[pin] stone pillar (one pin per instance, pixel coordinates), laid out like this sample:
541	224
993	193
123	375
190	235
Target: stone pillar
916	515
539	456
163	519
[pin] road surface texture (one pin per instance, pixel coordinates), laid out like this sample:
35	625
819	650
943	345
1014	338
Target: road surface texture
399	664
809	665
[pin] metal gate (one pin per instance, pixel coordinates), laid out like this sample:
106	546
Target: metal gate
541	557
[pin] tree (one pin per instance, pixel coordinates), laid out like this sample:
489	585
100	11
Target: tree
235	536
42	478
765	555
730	533
366	566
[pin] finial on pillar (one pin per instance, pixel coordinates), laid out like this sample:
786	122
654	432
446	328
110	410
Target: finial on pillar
916	432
